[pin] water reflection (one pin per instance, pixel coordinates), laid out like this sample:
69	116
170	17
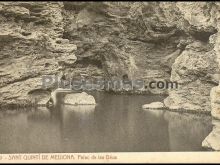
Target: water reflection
187	131
116	124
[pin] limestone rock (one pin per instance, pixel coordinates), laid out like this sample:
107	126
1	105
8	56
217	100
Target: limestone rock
63	46
32	45
39	97
202	18
215	102
212	141
154	105
122	38
79	99
192	70
149	41
195	73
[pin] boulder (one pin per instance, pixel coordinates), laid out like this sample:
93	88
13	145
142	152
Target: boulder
40	97
193	70
212	141
79	99
30	49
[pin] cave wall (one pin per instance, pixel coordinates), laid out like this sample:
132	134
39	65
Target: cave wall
196	69
212	142
31	46
144	40
134	39
150	41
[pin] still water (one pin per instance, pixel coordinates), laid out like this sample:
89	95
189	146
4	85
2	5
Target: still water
116	124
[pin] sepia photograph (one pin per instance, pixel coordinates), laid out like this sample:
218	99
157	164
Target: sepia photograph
109	82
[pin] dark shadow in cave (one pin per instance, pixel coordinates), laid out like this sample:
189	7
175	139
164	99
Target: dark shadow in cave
203	35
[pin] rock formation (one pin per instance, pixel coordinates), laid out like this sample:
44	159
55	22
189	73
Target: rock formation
139	40
212	141
79	99
31	46
149	41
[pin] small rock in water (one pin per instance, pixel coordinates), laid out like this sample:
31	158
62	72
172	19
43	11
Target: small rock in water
79	99
212	140
154	105
43	101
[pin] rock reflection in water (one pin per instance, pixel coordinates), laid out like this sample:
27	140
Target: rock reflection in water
78	128
116	124
13	127
186	131
43	131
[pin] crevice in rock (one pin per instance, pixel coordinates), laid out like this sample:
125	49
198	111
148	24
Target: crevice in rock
84	62
203	35
24	78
